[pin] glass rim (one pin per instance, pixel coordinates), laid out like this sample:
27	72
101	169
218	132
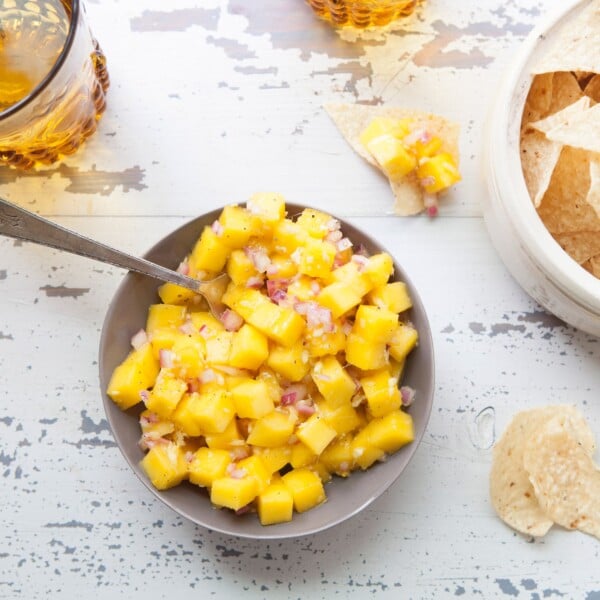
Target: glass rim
62	57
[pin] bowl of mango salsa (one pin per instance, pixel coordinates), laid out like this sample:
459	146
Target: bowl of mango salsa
296	406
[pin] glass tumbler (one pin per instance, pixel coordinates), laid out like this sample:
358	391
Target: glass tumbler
53	81
362	13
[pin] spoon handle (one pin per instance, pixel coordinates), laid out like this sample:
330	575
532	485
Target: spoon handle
18	223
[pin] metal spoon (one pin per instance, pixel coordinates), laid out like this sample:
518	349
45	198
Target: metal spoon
18	223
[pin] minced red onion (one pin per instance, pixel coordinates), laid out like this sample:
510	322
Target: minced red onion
207	376
236	473
204	331
254	282
334	236
231	320
139	339
343	244
305	408
259	257
217	228
293	393
360	260
183	268
408	395
144	395
188	328
166	358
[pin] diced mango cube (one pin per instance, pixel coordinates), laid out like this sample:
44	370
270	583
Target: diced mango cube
405	338
304	288
228	438
251	399
249	348
218	348
364	453
238	225
392	155
268	206
275	504
272	430
136	373
391	432
214	410
288	236
282	266
166	394
365	354
338	457
379	126
151	423
206	324
306	488
292	363
254	467
391	296
315	433
165	315
210	253
233	493
163	339
171	293
429	147
301	456
375	324
340	297
381	390
207	465
274	459
319	343
240	268
342	417
379	269
317	223
332	380
438	172
165	466
190	352
316	258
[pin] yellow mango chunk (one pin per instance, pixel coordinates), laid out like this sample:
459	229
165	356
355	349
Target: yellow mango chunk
306	488
274	459
136	373
171	293
391	296
249	348
301	456
364	453
166	394
375	324
381	390
209	254
320	343
164	315
254	467
240	268
269	207
238	225
315	433
189	354
379	126
340	297
228	438
275	504
272	430
332	381
365	354
338	457
165	466
204	413
391	432
288	235
218	348
438	172
405	338
206	324
233	493
163	338
395	159
341	417
207	465
316	258
379	269
292	363
315	222
251	399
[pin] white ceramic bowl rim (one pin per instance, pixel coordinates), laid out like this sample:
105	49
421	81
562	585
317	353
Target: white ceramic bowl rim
504	153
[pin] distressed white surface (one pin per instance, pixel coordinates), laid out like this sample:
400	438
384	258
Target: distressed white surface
207	114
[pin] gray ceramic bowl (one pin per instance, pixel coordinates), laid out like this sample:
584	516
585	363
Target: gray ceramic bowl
345	497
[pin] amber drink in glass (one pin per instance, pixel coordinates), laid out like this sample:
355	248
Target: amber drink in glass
53	81
361	14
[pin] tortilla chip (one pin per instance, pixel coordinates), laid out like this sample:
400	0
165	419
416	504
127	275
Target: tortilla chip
595	265
539	99
562	117
581	131
593	197
352	119
592	89
577	45
511	492
564	208
538	159
565	479
580	246
565	91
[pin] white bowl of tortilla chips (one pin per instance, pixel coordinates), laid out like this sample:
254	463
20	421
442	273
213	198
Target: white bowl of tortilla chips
543	166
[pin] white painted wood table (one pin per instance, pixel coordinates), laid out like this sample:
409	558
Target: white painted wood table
211	101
